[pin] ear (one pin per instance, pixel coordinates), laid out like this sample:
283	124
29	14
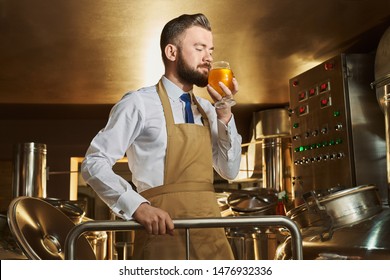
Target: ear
171	52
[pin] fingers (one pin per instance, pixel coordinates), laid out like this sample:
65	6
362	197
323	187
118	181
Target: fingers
235	85
155	220
216	96
213	93
170	227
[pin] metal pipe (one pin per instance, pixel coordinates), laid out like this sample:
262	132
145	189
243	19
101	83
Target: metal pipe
121	225
111	239
386	97
187	243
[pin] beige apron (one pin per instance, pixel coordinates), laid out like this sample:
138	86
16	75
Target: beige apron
187	192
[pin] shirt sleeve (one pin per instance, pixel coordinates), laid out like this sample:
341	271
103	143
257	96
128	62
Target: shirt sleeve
226	143
227	149
108	146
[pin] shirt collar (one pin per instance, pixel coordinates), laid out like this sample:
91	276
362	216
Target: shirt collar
173	90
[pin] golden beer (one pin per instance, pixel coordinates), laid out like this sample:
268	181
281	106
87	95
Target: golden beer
221	73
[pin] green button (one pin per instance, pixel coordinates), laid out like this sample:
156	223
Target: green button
301	148
319	145
336	113
331	142
338	141
296	149
296	125
325	143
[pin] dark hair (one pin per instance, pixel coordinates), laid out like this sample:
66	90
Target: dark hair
174	29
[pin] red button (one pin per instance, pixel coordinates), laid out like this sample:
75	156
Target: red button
329	66
325	102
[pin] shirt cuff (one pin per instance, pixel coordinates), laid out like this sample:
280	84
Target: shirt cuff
127	203
225	132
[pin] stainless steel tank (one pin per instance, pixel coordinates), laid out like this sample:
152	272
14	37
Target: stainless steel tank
29	172
273	130
253	243
368	240
347	224
382	87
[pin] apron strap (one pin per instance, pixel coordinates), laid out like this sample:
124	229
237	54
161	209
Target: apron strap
177	187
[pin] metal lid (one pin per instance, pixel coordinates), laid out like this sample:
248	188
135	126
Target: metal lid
272	123
40	230
252	201
32	147
70	208
346	192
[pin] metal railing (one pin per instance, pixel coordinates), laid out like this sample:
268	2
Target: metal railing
225	222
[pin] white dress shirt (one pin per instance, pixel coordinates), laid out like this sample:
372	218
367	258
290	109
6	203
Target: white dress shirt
136	128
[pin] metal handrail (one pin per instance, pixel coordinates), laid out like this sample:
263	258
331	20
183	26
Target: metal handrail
121	225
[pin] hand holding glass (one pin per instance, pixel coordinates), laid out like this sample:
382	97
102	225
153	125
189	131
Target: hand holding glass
221	72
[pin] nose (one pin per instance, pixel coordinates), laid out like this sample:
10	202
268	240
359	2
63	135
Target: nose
208	58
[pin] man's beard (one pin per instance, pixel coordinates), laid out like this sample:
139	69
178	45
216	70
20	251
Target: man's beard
190	75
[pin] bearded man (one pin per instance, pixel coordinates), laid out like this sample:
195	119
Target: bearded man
173	139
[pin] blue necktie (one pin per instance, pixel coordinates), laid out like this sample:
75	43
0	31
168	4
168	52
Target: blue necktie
187	99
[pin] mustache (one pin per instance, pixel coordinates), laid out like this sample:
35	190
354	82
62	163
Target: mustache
206	65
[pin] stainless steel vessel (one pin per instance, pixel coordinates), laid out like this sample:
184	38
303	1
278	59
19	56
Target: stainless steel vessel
29	173
323	213
253	243
382	87
272	129
367	240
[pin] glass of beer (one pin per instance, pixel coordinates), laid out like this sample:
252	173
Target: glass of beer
221	72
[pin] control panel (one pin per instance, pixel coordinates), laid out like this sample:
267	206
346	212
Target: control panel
325	143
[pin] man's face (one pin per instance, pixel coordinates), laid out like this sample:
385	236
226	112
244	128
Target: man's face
194	56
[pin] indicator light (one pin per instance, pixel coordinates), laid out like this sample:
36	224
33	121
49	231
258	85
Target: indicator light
336	113
329	66
324	87
302	95
295	125
312	91
325	102
303	110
